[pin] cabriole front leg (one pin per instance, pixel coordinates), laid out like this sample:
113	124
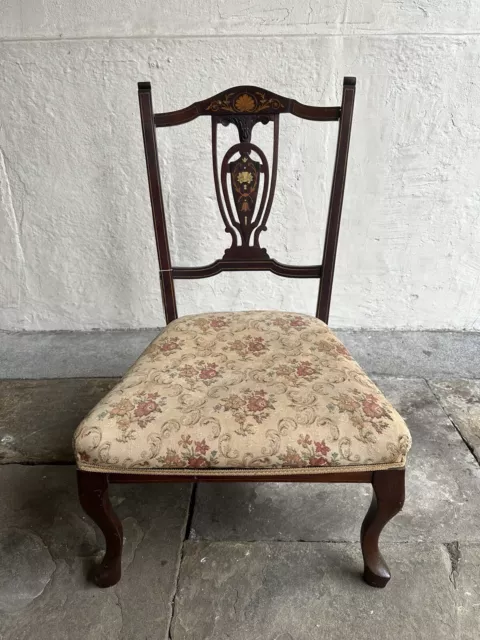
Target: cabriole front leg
93	493
387	501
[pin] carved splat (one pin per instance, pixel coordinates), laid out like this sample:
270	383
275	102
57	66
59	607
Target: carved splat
245	176
244	124
244	213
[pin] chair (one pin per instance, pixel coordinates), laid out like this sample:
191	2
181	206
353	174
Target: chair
263	396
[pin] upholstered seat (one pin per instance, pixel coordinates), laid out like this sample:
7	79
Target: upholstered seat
253	390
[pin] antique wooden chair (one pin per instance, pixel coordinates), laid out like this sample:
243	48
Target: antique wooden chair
262	396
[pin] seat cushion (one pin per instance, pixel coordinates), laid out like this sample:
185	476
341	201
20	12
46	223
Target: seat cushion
256	391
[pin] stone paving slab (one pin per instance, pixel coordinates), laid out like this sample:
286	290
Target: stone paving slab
461	401
308	591
443	491
73	354
47	546
38	417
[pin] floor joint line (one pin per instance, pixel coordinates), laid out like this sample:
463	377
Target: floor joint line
186	536
450	419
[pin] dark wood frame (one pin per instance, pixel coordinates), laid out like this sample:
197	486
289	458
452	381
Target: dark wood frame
246	259
226	108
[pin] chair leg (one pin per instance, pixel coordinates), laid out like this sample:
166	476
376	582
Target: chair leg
387	501
93	493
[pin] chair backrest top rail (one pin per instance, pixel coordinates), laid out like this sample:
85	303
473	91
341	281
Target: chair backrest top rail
245	100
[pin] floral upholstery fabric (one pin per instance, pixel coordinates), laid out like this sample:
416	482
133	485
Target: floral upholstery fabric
249	390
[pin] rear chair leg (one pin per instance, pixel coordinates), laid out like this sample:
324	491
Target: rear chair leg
387	501
93	493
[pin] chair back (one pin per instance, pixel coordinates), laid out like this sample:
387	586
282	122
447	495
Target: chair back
245	183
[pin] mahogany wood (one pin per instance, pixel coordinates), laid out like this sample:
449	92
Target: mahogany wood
246	228
336	200
156	199
345	476
244	107
93	494
225	103
267	264
387	501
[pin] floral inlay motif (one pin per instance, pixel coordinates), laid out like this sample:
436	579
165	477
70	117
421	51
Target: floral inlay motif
244	173
245	103
244	176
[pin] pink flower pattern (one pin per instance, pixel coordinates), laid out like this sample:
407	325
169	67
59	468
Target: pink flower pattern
255	389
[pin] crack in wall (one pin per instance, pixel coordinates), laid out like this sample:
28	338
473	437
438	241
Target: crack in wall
15	222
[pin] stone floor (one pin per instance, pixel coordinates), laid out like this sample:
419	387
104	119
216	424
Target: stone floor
238	561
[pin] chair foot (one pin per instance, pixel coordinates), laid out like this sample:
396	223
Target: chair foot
378	579
106	574
93	493
387	501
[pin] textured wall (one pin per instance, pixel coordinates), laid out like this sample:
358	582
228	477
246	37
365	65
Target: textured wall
76	241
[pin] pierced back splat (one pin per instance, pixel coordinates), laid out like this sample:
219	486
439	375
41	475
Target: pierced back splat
245	183
244	221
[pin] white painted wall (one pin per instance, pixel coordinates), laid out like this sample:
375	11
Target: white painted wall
76	241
